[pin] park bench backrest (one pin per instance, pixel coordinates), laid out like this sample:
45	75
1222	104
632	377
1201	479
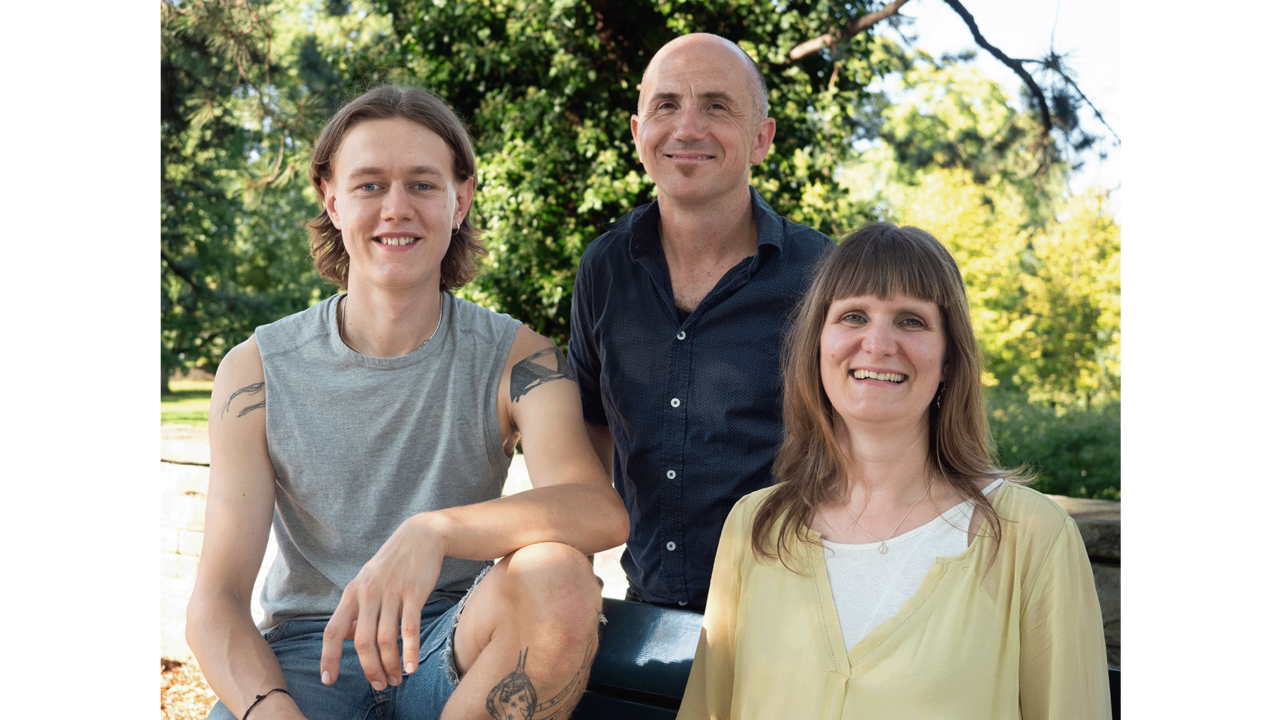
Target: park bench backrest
643	662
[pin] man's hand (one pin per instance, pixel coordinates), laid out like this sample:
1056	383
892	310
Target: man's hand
384	602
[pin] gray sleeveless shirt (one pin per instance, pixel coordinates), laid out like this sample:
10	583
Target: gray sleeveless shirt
361	443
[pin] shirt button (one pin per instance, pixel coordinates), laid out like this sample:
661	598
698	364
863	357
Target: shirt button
671	546
671	474
681	603
680	335
675	402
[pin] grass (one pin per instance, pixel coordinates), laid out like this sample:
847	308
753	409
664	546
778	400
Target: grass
189	403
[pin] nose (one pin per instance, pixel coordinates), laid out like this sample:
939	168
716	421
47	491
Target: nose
689	125
395	203
879	339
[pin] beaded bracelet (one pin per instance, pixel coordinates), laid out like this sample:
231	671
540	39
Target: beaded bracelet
260	698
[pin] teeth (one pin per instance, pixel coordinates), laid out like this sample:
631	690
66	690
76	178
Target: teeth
396	241
868	375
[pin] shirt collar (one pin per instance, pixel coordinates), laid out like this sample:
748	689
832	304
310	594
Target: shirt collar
769	228
643	227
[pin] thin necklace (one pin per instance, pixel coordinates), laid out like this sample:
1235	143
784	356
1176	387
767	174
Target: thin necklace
341	314
883	547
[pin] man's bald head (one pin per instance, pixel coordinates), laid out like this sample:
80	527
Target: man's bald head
706	42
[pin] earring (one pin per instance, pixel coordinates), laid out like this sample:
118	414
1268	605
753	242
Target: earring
941	388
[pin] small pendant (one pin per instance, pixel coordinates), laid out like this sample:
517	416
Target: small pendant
883	548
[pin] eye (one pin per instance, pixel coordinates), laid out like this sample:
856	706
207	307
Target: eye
423	186
855	317
368	187
913	323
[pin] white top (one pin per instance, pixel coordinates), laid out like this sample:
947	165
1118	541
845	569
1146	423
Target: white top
870	587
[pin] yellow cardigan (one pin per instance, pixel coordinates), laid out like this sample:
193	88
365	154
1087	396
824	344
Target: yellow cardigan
1022	639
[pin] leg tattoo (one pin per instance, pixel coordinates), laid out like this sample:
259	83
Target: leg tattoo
514	697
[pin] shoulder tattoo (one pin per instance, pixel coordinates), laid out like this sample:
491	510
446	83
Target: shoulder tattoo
253	389
528	374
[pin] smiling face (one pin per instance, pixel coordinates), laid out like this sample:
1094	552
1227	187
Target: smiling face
882	360
395	200
699	130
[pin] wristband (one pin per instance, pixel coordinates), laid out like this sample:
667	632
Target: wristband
260	698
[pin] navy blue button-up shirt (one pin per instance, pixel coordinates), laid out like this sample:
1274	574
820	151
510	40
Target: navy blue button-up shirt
694	405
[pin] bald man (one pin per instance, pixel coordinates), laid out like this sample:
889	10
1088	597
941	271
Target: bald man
678	313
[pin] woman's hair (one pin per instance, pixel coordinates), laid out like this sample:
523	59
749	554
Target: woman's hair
383	103
811	470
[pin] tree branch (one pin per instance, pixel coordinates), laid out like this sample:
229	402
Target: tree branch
1046	120
858	25
1054	64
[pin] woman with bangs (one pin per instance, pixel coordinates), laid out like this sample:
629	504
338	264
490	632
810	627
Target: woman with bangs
894	571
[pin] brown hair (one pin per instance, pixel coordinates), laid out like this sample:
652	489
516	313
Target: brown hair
382	103
883	260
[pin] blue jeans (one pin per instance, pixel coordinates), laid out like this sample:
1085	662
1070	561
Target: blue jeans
422	695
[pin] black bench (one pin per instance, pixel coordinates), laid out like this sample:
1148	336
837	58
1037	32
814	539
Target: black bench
644	659
643	662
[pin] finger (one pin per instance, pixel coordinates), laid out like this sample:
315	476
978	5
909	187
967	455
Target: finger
388	635
339	628
410	627
366	642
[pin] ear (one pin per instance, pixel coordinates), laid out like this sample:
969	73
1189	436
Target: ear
635	132
330	203
764	138
463	196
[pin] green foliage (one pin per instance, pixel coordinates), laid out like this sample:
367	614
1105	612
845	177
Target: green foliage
243	93
948	115
1075	451
1072	346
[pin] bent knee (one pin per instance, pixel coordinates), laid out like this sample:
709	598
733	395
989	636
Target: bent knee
544	595
554	576
550	553
550	562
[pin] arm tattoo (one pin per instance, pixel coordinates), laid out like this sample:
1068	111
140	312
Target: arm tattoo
527	374
253	389
514	697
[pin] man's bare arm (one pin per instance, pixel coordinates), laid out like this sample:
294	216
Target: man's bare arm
233	656
559	452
